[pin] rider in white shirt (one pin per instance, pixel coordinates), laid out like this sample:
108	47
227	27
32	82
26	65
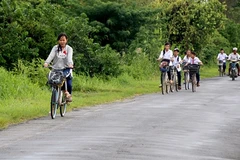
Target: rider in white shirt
195	60
187	56
166	54
176	61
165	58
222	57
234	56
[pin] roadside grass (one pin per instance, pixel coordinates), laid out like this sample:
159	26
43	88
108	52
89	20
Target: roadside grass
208	71
21	100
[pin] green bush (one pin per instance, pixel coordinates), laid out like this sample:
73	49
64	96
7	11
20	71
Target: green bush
33	70
16	86
141	67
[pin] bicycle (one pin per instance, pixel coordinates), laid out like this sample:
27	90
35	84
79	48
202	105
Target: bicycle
233	70
186	76
174	78
165	80
220	68
193	70
57	79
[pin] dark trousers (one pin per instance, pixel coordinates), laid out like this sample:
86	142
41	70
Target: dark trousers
224	67
197	77
237	65
179	74
69	85
68	80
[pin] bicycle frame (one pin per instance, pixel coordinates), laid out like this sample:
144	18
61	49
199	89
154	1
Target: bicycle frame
164	81
58	94
173	74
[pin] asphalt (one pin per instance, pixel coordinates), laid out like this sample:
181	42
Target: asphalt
181	126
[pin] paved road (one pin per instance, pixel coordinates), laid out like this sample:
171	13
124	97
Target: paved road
190	126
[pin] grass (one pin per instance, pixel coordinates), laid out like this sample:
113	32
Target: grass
21	100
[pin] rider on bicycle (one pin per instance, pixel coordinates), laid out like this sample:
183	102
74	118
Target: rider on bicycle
232	57
176	61
195	60
222	57
165	58
61	55
187	56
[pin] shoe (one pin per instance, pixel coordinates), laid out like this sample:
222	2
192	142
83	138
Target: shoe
179	87
198	85
68	97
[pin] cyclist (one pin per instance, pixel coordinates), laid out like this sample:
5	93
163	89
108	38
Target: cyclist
176	60
187	56
233	56
195	60
222	57
61	55
165	58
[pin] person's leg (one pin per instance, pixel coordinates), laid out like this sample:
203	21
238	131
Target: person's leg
224	67
237	65
69	85
160	77
69	89
198	78
169	75
179	78
229	69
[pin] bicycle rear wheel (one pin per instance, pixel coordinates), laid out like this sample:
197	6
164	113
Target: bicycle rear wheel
63	106
194	83
233	75
176	83
163	83
54	103
172	85
186	79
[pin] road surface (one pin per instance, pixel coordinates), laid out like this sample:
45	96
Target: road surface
181	126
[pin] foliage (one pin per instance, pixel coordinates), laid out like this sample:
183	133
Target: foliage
191	23
106	33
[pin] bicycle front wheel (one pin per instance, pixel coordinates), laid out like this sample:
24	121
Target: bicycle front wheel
54	103
63	106
186	80
172	84
163	83
176	83
194	83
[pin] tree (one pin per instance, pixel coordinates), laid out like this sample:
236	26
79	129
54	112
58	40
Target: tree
191	23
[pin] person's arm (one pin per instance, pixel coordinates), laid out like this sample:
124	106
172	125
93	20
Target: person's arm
50	57
229	57
180	60
218	57
160	56
199	62
69	57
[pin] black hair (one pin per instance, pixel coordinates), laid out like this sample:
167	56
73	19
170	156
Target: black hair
194	53
221	49
59	37
167	43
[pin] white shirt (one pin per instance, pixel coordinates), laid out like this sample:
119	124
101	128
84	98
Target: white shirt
196	60
222	57
233	56
176	62
186	59
168	55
